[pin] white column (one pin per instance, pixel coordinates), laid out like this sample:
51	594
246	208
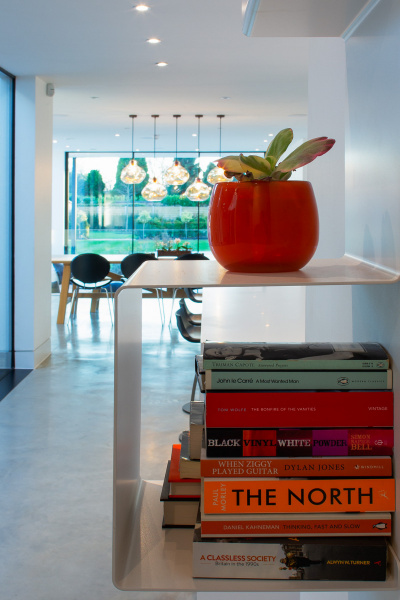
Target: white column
33	163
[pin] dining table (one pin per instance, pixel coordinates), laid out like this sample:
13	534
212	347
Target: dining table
95	295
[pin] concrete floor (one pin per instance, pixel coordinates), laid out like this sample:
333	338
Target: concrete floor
56	453
56	456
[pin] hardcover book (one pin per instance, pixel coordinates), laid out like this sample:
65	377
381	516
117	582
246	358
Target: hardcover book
177	511
298	380
330	558
179	486
299	409
292	356
307	524
236	442
332	466
263	495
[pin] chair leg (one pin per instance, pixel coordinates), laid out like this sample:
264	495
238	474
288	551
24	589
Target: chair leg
74	302
160	299
172	305
109	305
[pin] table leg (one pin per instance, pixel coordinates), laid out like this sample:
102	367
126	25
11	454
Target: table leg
63	294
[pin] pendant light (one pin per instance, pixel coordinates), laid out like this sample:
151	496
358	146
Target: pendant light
198	191
154	191
132	173
217	175
176	175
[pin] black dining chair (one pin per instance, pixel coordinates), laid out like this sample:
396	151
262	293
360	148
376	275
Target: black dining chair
131	263
193	294
89	271
191	332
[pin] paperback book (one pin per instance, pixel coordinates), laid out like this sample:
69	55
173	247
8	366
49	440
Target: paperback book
236	442
299	409
329	558
293	356
263	495
298	380
177	511
188	467
307	524
196	428
332	466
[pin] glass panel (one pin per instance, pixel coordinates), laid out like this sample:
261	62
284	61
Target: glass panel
106	215
6	314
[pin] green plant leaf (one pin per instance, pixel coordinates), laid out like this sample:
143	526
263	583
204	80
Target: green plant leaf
272	161
232	164
305	154
257	165
279	144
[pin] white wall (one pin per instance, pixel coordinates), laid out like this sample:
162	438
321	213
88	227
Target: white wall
33	164
373	188
327	115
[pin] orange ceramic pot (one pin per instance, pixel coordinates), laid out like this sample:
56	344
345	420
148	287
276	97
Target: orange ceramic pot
263	226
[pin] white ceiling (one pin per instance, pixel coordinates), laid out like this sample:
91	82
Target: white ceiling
96	55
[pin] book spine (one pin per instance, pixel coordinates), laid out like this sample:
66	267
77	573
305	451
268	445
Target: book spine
239	496
299	409
270	527
298	380
361	560
301	365
360	466
239	442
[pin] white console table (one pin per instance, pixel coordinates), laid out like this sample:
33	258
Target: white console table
145	556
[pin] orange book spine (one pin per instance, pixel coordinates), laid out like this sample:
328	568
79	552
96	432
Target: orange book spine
236	496
336	466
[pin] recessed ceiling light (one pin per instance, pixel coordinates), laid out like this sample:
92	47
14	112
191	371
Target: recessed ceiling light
161	64
117	135
153	41
194	134
54	141
271	135
67	146
141	7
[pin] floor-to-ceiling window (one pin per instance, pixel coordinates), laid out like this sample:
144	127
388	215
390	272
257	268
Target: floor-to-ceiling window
106	215
6	221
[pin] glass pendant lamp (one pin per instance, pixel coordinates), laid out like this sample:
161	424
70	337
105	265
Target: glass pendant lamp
154	191
217	174
176	175
132	173
198	191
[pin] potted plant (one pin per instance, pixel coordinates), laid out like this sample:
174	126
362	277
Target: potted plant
261	222
173	248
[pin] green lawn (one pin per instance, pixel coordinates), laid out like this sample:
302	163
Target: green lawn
105	242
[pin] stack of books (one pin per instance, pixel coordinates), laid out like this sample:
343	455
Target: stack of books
296	473
180	495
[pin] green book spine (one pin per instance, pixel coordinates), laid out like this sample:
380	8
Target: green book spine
290	365
298	380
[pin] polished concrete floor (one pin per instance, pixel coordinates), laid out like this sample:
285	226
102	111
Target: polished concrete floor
56	454
56	436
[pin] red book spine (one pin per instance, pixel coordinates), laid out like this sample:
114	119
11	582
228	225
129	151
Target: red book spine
300	409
